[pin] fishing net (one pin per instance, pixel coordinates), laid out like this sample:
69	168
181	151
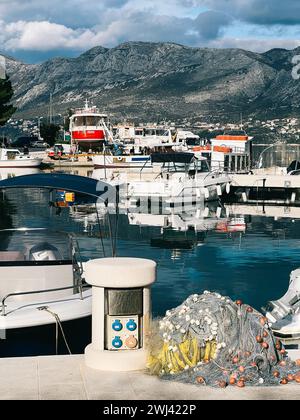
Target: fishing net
211	340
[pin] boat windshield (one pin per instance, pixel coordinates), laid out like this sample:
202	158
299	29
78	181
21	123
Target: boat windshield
12	154
202	166
34	246
88	120
196	166
155	132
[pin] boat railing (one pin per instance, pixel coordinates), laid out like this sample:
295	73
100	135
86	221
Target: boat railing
77	263
215	172
80	286
143	167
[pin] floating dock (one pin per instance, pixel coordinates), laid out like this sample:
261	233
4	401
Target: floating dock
67	378
275	189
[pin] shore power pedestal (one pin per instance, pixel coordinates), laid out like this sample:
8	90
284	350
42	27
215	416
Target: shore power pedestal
121	312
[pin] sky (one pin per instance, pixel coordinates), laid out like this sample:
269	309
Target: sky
35	30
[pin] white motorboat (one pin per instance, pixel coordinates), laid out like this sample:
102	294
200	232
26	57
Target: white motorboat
42	289
42	285
13	158
134	148
144	135
284	313
122	161
139	156
180	179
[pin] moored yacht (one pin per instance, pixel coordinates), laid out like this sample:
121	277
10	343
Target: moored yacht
132	157
134	146
179	178
89	127
13	158
42	287
45	301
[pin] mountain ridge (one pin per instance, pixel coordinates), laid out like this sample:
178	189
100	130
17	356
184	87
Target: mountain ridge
147	80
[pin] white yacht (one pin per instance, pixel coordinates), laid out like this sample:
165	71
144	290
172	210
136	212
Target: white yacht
13	158
144	135
179	178
123	160
134	146
137	156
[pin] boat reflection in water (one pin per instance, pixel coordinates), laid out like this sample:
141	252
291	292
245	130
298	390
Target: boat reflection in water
171	228
6	173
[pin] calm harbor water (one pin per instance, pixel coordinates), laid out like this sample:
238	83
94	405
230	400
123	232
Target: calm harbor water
237	254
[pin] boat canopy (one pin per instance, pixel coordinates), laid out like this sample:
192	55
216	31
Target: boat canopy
60	181
186	158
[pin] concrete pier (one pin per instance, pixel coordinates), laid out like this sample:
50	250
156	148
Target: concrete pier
67	378
274	189
266	180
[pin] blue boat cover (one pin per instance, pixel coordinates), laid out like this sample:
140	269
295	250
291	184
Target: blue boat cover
62	181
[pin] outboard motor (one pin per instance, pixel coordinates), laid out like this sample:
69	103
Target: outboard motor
284	313
44	252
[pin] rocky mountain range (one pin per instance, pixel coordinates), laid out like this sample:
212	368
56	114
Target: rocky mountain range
150	81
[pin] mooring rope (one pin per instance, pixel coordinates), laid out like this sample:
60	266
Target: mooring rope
57	324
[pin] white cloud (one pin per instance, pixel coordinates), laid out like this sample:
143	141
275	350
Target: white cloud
77	25
253	44
115	27
37	35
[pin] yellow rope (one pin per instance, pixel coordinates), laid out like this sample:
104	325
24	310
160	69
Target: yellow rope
174	358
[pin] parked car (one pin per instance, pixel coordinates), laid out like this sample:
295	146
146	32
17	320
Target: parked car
64	148
39	143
